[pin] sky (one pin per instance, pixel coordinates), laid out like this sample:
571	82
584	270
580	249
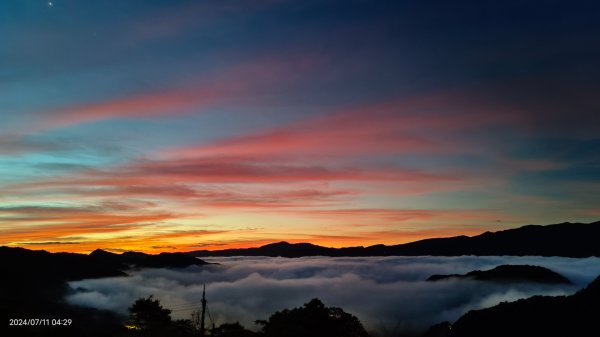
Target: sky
179	125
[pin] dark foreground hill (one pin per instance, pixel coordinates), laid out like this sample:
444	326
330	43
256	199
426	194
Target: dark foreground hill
575	315
33	285
565	239
510	274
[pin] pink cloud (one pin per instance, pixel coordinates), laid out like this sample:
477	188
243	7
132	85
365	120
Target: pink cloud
233	84
144	105
412	125
149	173
399	215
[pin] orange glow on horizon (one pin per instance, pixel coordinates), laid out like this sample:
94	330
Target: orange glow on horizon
169	242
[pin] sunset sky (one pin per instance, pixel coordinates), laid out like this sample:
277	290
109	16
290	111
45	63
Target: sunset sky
201	124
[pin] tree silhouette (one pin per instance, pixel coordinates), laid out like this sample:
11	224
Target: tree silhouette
231	330
313	319
148	317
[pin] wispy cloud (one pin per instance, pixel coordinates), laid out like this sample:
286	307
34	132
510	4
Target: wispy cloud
409	125
48	225
11	145
137	106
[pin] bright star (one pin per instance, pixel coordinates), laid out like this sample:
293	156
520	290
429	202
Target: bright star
50	3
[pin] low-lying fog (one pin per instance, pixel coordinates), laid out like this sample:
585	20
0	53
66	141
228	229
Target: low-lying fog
386	293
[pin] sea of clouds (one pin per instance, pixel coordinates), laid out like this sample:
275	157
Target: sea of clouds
388	294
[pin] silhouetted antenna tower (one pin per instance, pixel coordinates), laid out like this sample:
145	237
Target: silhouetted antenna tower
202	332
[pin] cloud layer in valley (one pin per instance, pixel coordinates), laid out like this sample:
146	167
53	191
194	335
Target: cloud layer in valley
386	293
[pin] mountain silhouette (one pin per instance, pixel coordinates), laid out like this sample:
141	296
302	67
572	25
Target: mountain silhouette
284	249
73	266
27	268
564	239
142	260
34	282
574	315
510	274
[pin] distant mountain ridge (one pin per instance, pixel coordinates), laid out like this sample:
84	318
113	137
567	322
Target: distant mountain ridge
564	239
128	260
23	265
509	274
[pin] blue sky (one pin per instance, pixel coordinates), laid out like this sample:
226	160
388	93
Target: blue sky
134	124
